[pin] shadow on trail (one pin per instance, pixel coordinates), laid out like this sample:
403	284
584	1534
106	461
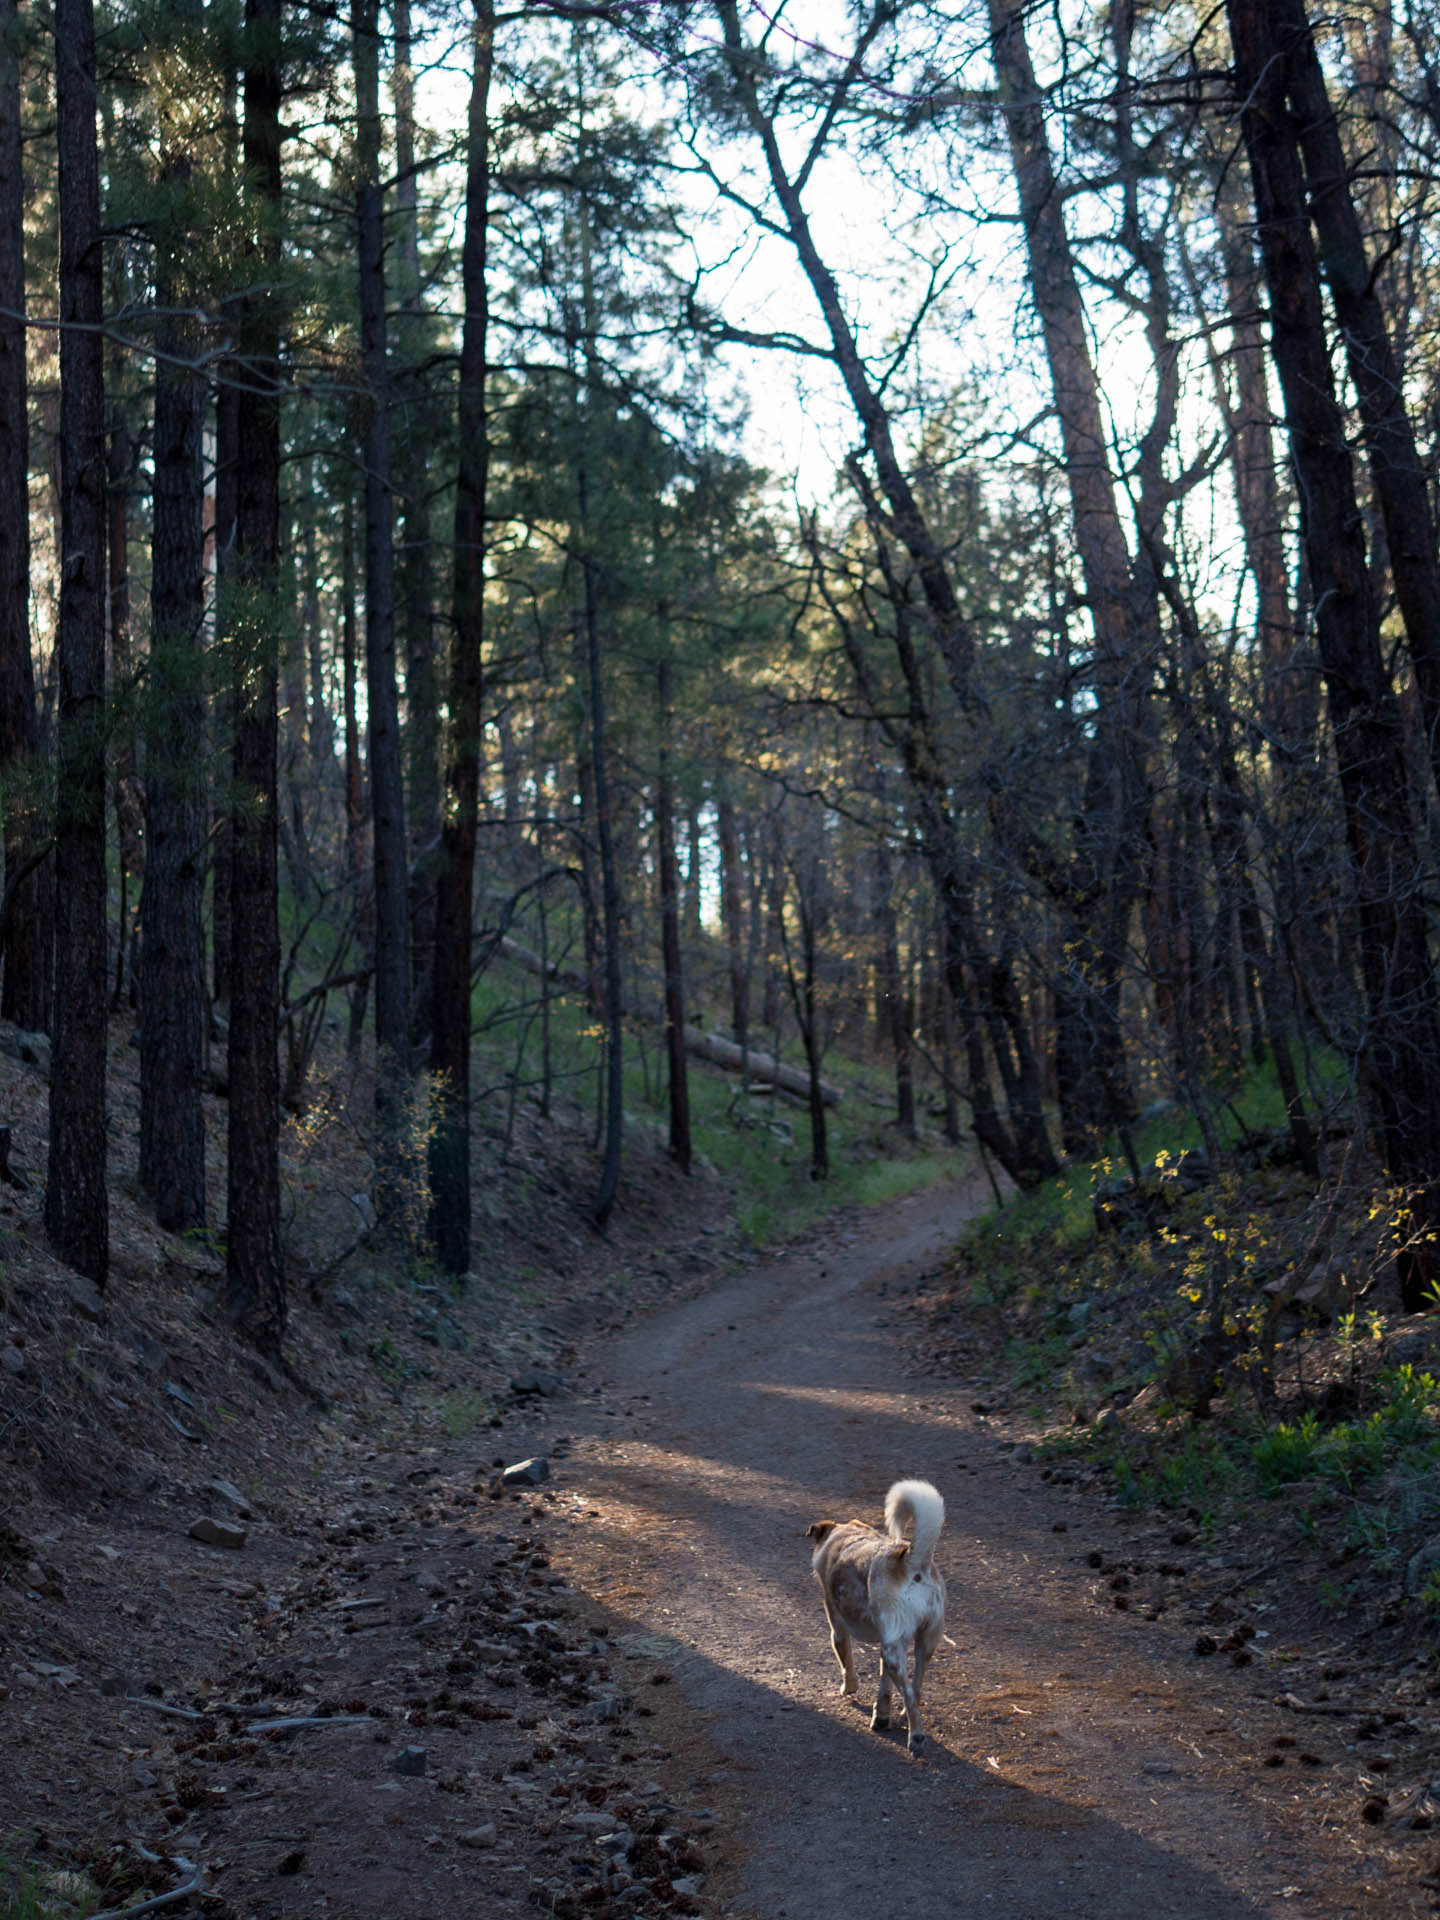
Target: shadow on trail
779	1399
844	1823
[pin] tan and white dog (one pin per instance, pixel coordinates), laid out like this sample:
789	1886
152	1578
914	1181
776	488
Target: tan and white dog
885	1590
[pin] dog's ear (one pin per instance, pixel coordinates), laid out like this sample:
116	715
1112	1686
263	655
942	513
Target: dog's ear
820	1529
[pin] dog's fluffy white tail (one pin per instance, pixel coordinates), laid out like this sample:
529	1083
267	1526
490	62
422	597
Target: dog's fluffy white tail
917	1503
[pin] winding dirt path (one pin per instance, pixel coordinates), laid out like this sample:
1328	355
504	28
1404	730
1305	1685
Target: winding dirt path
1082	1764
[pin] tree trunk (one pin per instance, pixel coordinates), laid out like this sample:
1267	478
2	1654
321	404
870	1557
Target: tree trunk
173	1005
361	891
415	422
679	1083
387	781
255	1276
25	998
450	1022
1102	880
76	1215
732	911
1401	1046
129	806
1396	467
603	1204
897	1012
227	478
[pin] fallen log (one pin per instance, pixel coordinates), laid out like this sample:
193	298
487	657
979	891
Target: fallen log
713	1047
721	1052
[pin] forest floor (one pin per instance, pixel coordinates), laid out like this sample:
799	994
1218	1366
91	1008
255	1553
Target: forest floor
413	1690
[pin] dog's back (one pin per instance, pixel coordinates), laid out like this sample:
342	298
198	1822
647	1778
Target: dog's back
863	1571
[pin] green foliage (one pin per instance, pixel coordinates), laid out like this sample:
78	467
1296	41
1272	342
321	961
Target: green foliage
464	1411
394	1368
30	1892
1401	1434
758	1147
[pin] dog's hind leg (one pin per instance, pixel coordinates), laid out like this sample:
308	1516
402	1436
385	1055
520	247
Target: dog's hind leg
926	1641
880	1716
896	1671
844	1652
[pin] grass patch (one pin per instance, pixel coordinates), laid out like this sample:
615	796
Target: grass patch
759	1147
28	1892
463	1411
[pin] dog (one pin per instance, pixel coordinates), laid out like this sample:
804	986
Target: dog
885	1590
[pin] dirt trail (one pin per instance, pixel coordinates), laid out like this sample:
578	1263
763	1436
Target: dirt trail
1083	1762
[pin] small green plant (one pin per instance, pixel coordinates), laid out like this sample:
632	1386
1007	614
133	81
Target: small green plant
393	1367
28	1892
1288	1453
463	1412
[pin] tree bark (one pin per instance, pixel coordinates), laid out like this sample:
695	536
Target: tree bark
897	1010
450	1020
361	891
415	414
76	1213
389	850
173	1002
255	1275
1396	467
1102	879
25	998
129	803
679	1084
227	476
1401	1043
732	912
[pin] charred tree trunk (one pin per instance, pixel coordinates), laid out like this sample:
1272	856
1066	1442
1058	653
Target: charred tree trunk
227	479
450	1016
355	874
387	780
415	414
1396	467
1102	881
603	1205
896	1006
255	1275
173	1003
76	1212
732	911
679	1082
28	930
129	805
1401	1046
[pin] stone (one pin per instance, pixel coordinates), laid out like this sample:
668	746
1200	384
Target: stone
590	1820
84	1296
231	1495
527	1473
12	1361
485	1836
535	1380
178	1394
31	1048
410	1760
611	1707
148	1352
217	1533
